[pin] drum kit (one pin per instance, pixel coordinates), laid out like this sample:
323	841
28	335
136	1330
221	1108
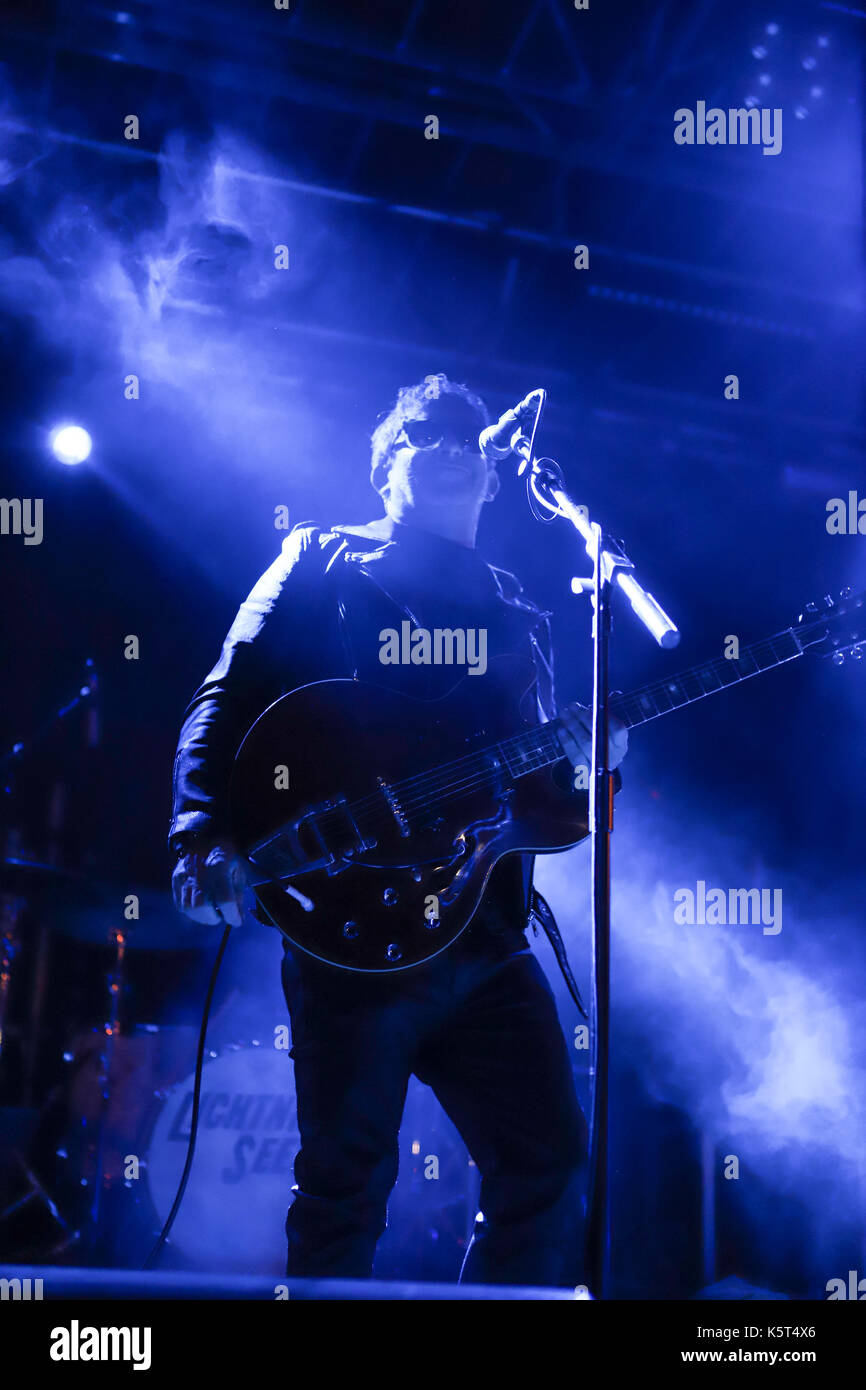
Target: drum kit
96	1088
79	1079
95	1147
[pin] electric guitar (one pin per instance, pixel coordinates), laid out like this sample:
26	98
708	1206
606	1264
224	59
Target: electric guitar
371	820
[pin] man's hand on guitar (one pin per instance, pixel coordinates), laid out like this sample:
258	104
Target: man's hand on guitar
576	736
209	873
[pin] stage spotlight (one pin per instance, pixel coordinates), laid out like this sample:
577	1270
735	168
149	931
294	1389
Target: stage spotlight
71	443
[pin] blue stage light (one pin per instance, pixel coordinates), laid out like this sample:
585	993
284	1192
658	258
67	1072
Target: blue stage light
71	443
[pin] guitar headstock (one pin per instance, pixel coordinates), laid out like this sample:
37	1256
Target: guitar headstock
855	650
838	626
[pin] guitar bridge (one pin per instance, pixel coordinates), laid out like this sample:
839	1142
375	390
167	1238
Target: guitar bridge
395	808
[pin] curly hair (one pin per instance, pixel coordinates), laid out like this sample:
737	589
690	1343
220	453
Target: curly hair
409	404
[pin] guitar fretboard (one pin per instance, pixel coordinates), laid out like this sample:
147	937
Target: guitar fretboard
650	701
540	746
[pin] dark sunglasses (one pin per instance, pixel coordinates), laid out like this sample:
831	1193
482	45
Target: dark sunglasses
425	434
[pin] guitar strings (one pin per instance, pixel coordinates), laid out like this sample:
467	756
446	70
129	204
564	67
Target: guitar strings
425	782
715	666
433	786
481	775
439	784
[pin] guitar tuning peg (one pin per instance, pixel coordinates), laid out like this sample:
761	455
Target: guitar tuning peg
811	608
828	601
846	592
838	658
857	653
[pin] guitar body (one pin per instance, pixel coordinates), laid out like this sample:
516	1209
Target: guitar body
375	855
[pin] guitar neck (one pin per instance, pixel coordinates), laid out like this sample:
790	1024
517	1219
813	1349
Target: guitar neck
540	746
652	701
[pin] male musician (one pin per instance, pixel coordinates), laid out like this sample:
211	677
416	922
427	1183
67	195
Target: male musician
478	1022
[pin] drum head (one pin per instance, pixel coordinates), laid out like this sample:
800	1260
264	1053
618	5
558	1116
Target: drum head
233	1213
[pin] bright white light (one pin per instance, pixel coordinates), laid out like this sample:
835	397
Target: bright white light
71	443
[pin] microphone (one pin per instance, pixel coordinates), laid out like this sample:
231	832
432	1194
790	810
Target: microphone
497	441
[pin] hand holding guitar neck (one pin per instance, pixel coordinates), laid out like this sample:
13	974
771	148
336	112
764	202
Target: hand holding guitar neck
575	735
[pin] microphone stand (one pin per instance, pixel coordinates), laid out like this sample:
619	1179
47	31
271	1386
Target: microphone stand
546	493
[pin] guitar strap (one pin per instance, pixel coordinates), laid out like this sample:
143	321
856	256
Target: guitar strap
539	911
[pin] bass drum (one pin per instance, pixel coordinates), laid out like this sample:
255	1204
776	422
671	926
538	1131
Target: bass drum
233	1213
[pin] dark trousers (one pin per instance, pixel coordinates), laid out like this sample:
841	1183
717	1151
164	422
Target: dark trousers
480	1027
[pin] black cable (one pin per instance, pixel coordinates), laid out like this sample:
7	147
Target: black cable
196	1096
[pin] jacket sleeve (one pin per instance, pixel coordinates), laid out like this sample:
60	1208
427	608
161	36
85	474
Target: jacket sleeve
253	670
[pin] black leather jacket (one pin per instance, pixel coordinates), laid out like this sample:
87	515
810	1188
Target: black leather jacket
313	616
301	623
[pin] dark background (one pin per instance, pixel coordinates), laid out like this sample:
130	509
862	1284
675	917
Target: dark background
409	256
